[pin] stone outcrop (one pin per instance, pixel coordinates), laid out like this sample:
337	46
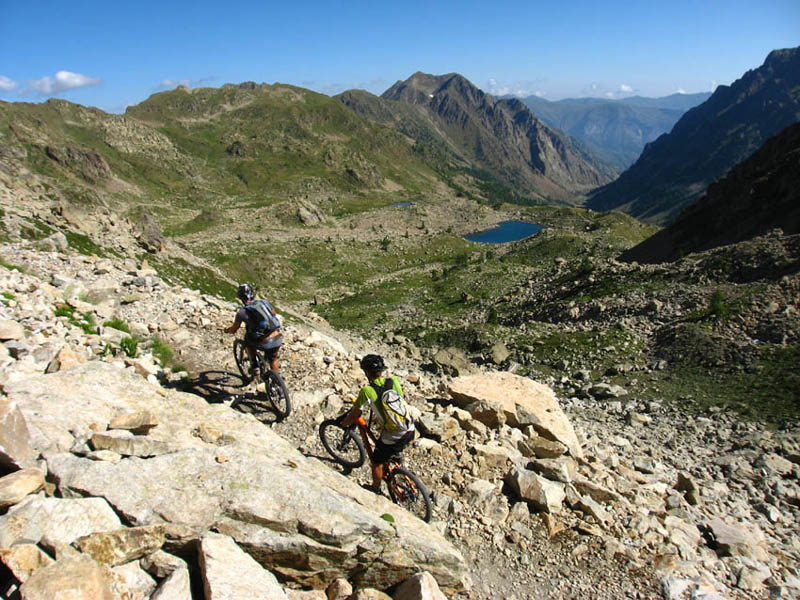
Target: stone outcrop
315	525
499	397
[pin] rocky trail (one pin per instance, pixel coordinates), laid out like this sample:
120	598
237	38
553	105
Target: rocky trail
640	501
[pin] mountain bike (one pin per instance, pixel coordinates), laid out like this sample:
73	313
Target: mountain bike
275	388
351	450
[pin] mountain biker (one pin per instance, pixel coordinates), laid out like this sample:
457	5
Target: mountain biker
263	329
394	436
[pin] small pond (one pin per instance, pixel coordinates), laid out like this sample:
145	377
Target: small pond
507	231
405	203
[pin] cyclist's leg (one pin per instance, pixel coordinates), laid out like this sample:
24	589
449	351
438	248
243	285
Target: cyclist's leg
383	452
251	352
272	357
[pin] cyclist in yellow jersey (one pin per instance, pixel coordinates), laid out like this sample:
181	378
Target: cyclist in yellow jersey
395	433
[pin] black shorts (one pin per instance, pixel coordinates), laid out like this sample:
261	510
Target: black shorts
384	452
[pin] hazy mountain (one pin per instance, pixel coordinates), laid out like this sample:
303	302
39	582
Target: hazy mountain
757	195
498	138
615	130
707	141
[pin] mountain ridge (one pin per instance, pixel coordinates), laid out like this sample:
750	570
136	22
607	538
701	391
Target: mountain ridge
707	140
499	136
616	130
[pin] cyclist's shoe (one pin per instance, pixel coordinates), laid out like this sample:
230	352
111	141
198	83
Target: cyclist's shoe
371	488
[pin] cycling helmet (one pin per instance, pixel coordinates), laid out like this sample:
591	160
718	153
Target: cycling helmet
245	292
372	363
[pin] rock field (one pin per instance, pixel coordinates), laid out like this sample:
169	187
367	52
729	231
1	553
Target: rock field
142	481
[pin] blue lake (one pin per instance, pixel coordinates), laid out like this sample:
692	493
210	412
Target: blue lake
507	231
402	204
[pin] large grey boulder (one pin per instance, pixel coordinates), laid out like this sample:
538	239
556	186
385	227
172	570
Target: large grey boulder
294	515
55	521
515	400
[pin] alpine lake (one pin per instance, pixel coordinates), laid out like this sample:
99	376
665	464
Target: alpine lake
504	232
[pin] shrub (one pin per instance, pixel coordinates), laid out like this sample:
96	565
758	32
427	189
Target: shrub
128	345
718	305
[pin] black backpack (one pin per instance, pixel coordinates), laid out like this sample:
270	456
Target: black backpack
262	319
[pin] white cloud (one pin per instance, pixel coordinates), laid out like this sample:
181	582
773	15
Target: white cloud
6	84
680	90
61	82
169	84
625	88
520	89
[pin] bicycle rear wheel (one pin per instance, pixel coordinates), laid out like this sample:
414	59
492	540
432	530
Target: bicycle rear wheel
242	358
407	490
277	392
342	443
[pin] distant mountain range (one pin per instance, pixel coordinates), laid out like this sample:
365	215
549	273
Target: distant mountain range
615	130
757	195
501	141
707	141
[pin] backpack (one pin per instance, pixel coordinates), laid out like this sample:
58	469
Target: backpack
262	319
392	407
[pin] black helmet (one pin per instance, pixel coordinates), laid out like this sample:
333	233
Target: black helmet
372	363
245	292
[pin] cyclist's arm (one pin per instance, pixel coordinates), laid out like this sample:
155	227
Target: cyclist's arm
355	412
351	416
233	328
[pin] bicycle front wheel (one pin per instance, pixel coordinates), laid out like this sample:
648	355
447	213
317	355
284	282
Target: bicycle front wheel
407	490
242	358
342	443
277	393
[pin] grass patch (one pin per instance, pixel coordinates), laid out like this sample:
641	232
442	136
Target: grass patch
161	351
85	321
117	324
767	391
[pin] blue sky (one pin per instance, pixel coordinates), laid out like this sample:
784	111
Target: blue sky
113	54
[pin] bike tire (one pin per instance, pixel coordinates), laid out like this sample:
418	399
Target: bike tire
242	359
406	490
342	443
277	393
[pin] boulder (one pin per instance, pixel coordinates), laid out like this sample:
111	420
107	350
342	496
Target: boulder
419	587
220	557
81	575
55	521
15	486
439	427
24	559
543	494
11	330
177	586
452	361
137	422
743	539
16	450
519	401
122	545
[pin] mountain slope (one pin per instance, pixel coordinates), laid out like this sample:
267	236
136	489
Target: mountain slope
757	195
500	137
614	130
707	141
